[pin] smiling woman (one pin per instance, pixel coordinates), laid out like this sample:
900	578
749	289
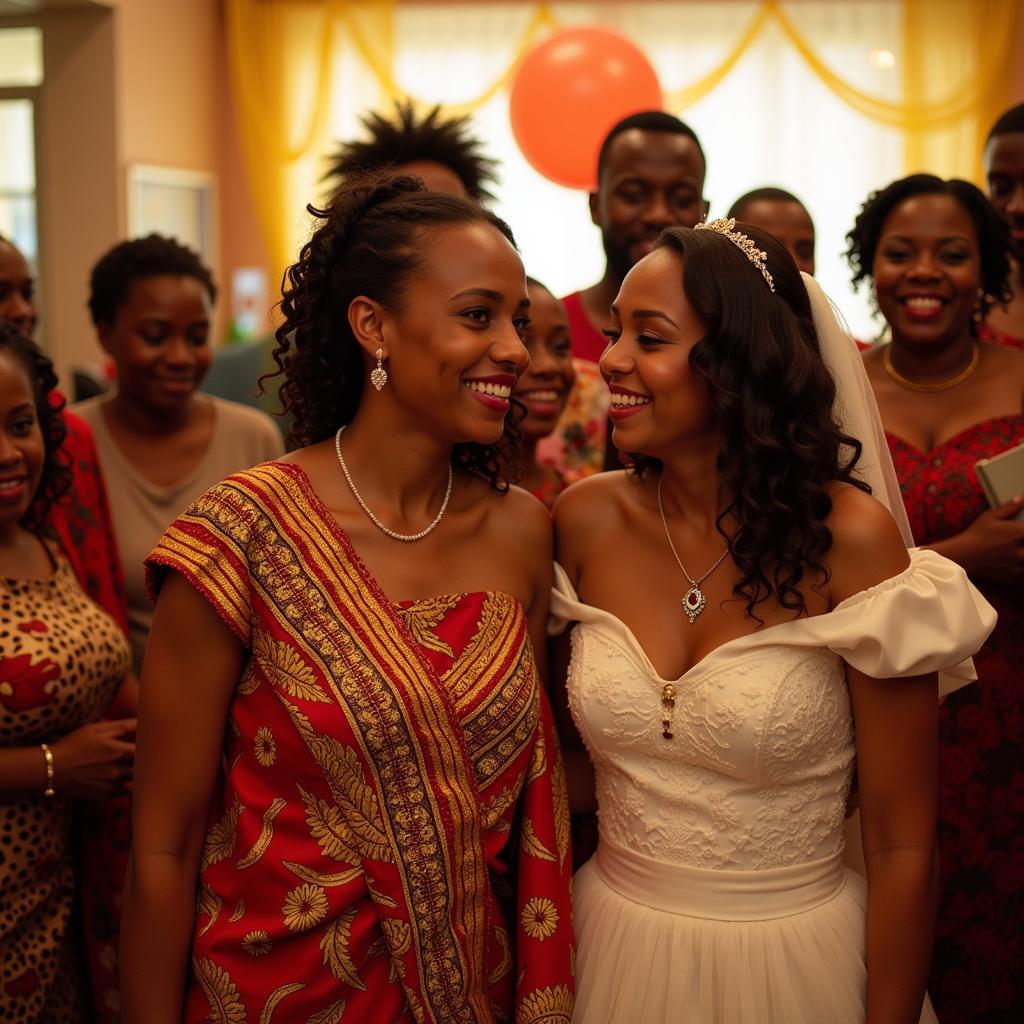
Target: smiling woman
735	595
938	256
543	390
61	660
160	442
343	689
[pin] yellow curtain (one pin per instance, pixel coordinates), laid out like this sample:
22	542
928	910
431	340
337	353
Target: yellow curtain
280	54
957	63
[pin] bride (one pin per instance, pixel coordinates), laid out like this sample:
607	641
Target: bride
750	622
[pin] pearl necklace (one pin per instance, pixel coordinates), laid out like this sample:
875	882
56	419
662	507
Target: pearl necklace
407	537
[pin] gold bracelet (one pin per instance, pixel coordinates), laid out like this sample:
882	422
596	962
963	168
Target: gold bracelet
49	792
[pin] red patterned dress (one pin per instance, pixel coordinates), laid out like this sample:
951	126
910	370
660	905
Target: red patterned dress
990	334
979	944
389	841
81	520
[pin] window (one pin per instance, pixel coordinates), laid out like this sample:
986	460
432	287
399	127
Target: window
21	72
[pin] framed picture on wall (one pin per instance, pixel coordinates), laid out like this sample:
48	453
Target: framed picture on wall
178	203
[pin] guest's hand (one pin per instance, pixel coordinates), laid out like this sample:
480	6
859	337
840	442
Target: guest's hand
992	547
95	760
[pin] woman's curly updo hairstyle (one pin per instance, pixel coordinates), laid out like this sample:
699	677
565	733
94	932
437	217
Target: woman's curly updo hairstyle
771	397
994	242
370	240
55	480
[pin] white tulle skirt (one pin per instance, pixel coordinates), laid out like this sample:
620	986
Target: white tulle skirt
661	943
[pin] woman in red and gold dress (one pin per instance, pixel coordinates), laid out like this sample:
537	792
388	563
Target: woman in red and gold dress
349	797
937	254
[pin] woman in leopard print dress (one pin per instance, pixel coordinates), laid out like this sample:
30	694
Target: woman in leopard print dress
61	660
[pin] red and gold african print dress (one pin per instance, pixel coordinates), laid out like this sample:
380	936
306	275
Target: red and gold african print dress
390	836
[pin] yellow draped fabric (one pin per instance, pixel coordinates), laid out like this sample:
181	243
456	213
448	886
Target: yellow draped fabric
957	60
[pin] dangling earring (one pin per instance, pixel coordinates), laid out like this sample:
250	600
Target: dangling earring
977	313
379	376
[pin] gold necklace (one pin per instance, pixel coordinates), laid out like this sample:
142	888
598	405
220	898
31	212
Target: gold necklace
943	385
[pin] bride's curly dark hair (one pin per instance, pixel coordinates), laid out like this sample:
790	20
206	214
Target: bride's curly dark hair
369	241
771	396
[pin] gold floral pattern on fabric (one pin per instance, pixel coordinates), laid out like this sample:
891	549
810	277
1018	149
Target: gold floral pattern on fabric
220	840
540	918
285	667
208	905
402	742
266	834
221	993
325	881
423	616
238	913
336	948
304	907
331	1015
494	810
398	942
264	747
276	997
551	1005
539	761
532	844
563	834
257	943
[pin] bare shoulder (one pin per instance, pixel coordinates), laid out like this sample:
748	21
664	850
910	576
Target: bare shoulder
515	520
867	546
592	502
591	514
522	512
1004	362
1003	356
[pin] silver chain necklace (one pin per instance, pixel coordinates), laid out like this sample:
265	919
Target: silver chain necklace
407	537
694	600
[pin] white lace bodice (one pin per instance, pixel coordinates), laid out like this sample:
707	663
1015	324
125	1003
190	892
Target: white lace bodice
757	772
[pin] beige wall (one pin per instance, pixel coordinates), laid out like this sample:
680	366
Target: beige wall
129	82
79	182
242	243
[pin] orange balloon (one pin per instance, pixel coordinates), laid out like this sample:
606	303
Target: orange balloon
567	94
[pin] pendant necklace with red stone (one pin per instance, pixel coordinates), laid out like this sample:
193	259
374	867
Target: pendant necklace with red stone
694	602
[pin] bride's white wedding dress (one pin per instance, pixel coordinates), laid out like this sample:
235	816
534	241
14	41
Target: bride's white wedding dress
717	894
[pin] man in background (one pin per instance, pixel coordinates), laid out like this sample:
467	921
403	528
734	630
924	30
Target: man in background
440	151
650	176
781	214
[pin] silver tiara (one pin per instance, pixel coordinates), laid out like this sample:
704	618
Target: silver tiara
742	242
